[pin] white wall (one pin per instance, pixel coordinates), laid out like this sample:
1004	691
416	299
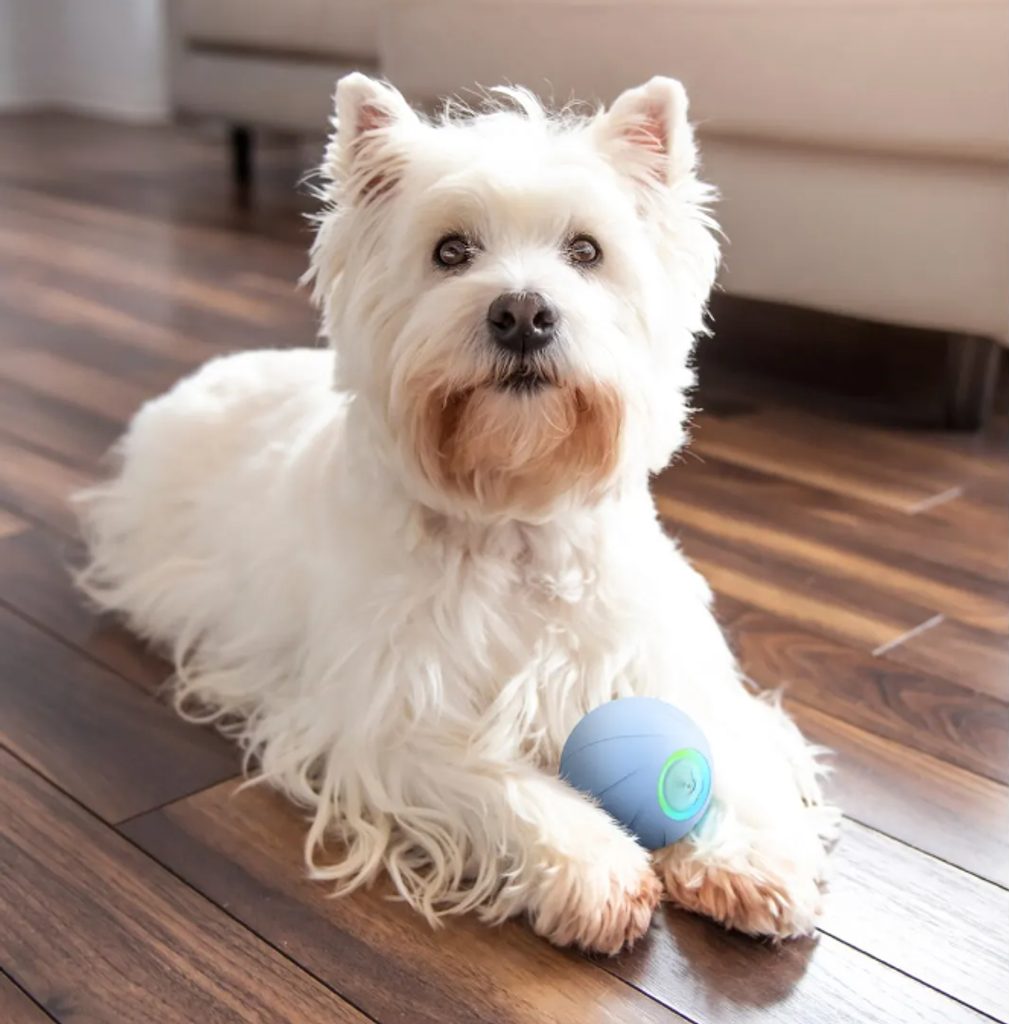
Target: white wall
101	56
25	70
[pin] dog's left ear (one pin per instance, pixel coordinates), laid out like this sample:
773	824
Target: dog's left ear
365	151
646	134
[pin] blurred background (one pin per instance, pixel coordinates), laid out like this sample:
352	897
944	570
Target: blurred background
860	146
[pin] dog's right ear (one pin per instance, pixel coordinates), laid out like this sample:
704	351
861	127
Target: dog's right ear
366	153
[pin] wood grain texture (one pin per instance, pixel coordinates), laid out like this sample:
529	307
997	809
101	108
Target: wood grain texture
805	448
719	503
207	240
718	977
93	391
969	657
927	918
36	485
243	850
93	262
912	708
99	932
67	436
130	324
99	738
835	608
35	581
935	806
936	536
50	303
16	1007
10	524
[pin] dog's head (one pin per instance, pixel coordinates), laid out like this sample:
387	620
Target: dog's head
513	295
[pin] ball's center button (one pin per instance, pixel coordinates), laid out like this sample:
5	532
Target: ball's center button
682	783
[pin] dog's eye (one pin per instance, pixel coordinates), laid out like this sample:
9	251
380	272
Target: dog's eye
453	251
584	250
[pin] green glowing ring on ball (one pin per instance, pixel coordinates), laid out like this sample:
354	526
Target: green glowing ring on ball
693	763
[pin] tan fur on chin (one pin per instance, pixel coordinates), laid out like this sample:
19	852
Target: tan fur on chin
517	452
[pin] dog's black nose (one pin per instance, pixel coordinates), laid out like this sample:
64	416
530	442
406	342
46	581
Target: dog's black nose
522	322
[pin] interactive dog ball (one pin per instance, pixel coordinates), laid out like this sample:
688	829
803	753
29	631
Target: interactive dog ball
646	762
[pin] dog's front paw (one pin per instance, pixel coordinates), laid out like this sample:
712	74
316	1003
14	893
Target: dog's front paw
599	904
761	884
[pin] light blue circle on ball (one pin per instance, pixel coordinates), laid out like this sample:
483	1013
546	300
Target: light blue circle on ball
646	762
684	784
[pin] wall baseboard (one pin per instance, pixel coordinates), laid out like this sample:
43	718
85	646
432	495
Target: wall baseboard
885	372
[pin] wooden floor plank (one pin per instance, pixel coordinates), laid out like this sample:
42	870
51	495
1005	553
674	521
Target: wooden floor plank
95	391
10	524
97	931
979	512
153	326
16	1007
865	619
85	349
937	807
808	449
35	580
179	179
37	486
139	232
105	742
719	977
912	708
936	536
244	850
971	658
68	435
721	504
103	265
924	917
41	307
150	319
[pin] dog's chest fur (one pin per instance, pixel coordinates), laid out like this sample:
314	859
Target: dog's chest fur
546	621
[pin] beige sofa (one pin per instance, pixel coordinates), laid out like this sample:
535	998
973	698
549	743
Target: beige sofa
861	146
270	63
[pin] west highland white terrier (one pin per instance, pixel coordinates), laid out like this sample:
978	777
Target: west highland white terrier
401	568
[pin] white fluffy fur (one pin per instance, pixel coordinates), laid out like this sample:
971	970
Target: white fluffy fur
405	658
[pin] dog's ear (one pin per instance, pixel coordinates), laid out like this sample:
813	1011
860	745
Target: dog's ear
646	134
365	152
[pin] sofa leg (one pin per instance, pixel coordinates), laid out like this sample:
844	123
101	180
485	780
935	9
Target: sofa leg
241	141
972	371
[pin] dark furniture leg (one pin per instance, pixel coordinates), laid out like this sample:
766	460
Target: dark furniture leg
972	370
241	159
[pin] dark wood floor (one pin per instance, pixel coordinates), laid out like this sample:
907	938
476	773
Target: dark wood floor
865	569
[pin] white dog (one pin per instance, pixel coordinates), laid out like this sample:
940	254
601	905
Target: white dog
400	570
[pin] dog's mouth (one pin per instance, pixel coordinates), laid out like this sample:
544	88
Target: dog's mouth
524	379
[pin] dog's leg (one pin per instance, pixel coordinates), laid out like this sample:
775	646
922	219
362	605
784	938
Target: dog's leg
756	861
585	882
531	845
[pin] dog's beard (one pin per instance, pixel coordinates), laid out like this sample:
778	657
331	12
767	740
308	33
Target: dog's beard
515	442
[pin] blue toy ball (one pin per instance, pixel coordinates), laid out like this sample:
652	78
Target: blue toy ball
646	762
